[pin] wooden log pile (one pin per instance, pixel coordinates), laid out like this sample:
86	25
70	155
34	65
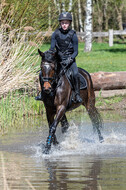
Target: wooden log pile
109	80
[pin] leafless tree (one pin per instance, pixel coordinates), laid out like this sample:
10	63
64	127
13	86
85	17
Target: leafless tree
88	26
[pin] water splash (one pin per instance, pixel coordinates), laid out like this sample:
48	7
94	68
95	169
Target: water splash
80	140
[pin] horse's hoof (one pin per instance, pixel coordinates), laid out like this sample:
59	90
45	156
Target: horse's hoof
46	149
64	129
101	139
55	143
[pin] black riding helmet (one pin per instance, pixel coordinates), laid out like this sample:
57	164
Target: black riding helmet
65	16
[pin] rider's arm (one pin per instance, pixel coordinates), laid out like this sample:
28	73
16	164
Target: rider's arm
53	42
75	46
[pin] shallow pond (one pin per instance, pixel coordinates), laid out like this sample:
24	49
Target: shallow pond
79	162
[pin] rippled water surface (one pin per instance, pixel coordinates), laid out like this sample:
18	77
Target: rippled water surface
78	162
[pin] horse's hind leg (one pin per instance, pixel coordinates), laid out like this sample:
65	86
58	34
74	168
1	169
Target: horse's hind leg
64	124
96	120
54	140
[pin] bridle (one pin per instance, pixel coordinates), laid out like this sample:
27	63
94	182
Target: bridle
48	79
52	79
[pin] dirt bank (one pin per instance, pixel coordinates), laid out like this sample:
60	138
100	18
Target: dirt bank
111	99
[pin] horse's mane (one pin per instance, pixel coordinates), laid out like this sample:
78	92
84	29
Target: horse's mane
52	57
49	56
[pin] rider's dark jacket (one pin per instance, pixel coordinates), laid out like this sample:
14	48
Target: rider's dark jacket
65	42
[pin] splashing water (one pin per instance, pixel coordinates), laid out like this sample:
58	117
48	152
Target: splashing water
80	140
71	141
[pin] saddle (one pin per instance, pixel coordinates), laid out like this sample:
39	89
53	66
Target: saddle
83	82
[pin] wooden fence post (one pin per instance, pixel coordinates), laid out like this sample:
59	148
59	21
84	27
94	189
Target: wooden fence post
111	37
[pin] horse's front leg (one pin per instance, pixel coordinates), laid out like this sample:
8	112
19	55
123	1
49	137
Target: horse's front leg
50	113
52	129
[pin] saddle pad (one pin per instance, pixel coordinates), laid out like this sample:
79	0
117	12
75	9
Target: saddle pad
83	82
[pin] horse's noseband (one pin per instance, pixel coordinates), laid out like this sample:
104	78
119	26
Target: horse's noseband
48	79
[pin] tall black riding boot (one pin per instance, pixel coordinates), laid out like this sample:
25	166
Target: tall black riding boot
77	90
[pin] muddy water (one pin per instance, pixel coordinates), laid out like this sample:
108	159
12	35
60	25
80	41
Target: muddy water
79	162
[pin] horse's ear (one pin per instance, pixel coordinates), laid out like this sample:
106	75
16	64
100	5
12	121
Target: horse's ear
41	53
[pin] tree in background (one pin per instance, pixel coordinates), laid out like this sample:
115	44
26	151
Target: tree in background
106	13
42	15
88	26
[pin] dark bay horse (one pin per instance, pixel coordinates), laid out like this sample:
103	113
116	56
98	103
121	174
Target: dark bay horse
57	92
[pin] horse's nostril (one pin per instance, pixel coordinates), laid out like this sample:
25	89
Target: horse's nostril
47	91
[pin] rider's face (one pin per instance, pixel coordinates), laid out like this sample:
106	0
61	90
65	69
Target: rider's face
65	24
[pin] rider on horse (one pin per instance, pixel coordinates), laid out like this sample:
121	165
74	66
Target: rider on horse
65	41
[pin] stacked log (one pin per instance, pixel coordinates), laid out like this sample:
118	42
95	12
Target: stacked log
109	80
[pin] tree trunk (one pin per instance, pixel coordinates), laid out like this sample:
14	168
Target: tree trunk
70	9
76	21
100	20
63	6
109	80
80	17
49	16
70	5
105	16
56	2
88	26
119	17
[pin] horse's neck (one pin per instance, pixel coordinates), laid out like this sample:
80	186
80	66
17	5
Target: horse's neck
63	83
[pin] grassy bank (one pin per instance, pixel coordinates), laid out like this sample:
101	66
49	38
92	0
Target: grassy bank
19	110
16	108
103	58
20	105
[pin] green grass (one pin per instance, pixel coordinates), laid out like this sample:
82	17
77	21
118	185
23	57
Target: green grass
102	58
108	102
16	107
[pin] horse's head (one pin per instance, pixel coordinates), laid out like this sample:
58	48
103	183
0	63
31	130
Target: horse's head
48	69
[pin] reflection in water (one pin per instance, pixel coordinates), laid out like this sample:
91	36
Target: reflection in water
78	172
20	172
76	176
79	162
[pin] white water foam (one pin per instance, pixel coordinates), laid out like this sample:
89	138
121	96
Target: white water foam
80	140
